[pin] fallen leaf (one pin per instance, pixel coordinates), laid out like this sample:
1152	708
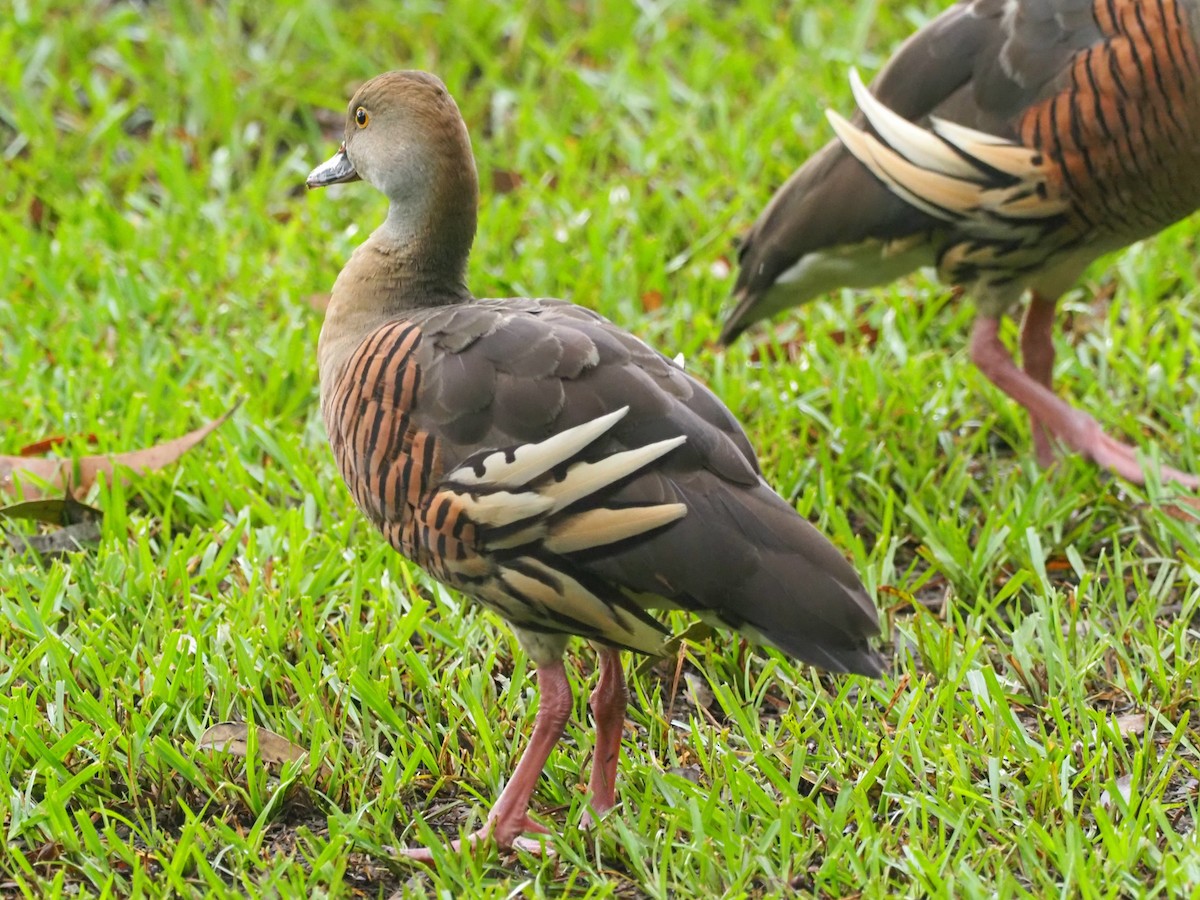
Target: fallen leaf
47	851
37	214
55	544
80	526
1124	786
1131	724
59	511
652	300
505	181
234	738
37	448
39	476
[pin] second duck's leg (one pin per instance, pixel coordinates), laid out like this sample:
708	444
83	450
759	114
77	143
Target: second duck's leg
1037	358
608	701
1073	427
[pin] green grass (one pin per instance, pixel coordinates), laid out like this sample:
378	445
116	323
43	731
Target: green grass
159	253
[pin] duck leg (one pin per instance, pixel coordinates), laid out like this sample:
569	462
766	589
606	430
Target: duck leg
1037	358
1075	428
509	818
609	699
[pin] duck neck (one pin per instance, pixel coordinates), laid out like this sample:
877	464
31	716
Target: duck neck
411	261
427	252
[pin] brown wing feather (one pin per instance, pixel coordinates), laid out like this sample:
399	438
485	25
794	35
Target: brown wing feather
740	554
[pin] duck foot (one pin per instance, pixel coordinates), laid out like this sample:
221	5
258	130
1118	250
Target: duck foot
1072	427
509	818
506	835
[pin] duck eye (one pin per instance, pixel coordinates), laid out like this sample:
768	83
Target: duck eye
361	117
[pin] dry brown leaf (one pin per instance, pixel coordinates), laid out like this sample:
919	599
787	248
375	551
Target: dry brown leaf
505	181
40	217
39	477
45	445
652	300
1131	724
234	738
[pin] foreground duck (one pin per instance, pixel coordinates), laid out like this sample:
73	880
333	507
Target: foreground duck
543	461
1048	133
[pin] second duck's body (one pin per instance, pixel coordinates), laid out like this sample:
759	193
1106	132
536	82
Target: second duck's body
1008	143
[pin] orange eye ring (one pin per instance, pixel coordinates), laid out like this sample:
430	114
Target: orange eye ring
362	117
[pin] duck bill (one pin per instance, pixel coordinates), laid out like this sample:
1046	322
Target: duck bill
334	170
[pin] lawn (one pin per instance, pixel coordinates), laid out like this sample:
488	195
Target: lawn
1036	734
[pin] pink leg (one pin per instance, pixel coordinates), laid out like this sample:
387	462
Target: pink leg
1073	427
1037	358
608	701
509	818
